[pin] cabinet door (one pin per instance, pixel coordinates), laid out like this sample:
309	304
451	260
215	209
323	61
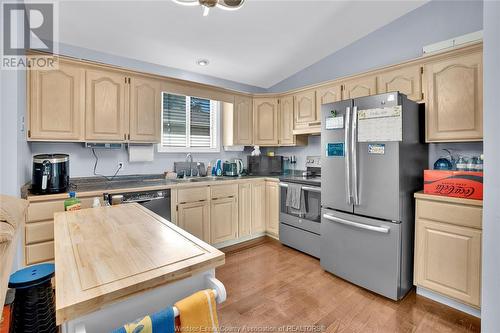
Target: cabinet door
258	207
57	103
454	99
244	209
224	219
243	120
265	121
286	121
305	109
145	110
448	260
105	106
328	94
406	80
194	218
360	87
272	207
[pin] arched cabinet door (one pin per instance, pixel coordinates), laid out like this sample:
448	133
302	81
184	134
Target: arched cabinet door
454	99
56	103
364	86
265	112
105	106
407	80
145	110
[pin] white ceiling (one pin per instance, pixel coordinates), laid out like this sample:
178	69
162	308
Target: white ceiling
261	44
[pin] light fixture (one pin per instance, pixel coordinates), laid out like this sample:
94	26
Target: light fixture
208	4
202	62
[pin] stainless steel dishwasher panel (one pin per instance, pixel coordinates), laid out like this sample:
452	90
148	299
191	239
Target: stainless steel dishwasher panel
364	251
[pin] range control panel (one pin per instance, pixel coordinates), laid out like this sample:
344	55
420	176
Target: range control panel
313	162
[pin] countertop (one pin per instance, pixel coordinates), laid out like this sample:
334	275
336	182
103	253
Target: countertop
110	253
442	198
94	186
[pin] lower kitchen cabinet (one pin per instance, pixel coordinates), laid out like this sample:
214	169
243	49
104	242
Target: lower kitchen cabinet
448	247
244	209
272	207
194	218
223	219
258	207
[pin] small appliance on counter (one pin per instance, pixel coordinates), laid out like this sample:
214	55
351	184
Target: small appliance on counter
50	173
265	165
233	168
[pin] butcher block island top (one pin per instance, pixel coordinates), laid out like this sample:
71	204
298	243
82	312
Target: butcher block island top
106	254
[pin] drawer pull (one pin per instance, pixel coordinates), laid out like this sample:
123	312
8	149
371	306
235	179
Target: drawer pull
383	230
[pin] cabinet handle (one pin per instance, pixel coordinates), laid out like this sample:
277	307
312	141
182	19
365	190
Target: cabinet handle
314	123
124	136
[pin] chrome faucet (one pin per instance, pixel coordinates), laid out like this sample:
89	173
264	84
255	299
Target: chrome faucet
190	158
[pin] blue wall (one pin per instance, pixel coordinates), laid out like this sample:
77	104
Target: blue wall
400	40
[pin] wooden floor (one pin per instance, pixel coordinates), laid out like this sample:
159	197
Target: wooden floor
270	285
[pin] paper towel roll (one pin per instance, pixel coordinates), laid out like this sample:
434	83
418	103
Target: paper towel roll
140	153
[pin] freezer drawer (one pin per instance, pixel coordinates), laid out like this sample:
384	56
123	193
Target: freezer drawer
364	251
299	239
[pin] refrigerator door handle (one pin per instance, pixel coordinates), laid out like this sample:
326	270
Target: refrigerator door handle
354	152
348	156
383	230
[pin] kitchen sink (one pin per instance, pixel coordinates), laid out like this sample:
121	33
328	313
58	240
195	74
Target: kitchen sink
201	179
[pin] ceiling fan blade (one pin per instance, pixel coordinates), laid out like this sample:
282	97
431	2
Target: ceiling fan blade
187	2
230	4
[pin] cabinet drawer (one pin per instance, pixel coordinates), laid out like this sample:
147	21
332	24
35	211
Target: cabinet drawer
39	232
224	191
40	211
459	214
192	194
39	252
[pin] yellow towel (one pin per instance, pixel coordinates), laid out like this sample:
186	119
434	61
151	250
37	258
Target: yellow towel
198	312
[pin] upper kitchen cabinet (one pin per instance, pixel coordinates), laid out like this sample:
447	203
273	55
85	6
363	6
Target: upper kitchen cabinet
105	105
306	118
243	116
145	110
454	99
286	137
407	80
360	87
327	94
265	117
57	104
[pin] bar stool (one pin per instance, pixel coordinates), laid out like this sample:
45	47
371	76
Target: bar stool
34	309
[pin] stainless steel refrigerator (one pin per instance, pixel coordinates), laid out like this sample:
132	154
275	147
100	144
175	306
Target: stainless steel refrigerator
372	162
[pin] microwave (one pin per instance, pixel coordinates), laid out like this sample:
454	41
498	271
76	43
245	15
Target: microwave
265	165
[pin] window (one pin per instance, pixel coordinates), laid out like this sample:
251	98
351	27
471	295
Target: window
189	124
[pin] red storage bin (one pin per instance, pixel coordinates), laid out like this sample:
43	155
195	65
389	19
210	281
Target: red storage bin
458	184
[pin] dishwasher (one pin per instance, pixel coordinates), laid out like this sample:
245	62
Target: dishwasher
156	201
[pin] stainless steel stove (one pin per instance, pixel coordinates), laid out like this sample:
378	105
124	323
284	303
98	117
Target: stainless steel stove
300	227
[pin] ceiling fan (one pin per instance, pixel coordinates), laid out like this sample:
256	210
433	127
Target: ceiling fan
208	4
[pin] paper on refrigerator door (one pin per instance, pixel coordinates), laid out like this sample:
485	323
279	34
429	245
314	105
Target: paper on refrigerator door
381	124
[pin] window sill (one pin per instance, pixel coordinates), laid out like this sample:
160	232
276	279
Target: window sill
161	149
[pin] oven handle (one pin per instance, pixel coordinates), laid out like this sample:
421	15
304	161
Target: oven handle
145	200
383	230
304	188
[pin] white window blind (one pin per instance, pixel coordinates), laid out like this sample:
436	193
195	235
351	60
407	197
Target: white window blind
189	122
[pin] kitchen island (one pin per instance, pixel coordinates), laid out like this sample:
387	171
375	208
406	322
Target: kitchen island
115	264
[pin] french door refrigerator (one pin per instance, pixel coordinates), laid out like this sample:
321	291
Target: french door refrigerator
372	163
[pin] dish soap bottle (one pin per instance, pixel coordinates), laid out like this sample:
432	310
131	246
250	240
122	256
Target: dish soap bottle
72	203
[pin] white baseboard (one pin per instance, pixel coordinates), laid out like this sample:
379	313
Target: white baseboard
448	301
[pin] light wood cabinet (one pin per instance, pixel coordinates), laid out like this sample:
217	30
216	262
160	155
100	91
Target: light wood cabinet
224	219
265	112
145	110
306	117
57	103
194	218
454	99
407	80
272	207
105	106
244	209
243	120
448	248
258	207
327	94
286	137
360	87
